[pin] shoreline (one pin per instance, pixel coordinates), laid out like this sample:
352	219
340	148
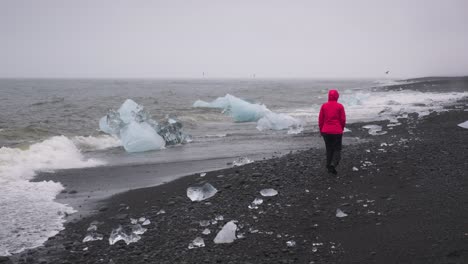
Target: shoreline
295	214
113	204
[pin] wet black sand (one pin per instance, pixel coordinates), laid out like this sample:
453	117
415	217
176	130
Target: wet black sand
407	206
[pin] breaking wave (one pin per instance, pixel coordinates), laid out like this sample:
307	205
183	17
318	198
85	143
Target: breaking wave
29	213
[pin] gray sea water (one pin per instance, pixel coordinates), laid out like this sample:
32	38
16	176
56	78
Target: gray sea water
32	110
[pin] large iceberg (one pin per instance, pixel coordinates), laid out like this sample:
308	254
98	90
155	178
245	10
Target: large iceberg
243	111
138	132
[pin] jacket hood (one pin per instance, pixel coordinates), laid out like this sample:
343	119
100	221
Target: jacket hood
333	95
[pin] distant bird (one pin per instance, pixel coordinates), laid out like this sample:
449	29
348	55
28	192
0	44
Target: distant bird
387	72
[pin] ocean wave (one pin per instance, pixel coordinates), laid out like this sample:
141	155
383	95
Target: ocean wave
391	82
90	143
51	101
369	106
29	213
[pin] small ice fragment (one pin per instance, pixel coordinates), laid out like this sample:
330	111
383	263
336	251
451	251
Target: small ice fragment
355	169
161	212
214	222
241	161
383	144
375	130
200	193
204	223
314	249
219	218
141	219
92	228
257	201
93	236
240	235
268	192
138	229
464	124
120	234
206	231
146	222
346	130
203	174
253	231
227	233
85	249
368	150
197	243
133	221
291	243
340	213
307	191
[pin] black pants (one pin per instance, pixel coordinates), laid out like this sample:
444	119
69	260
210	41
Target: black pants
333	145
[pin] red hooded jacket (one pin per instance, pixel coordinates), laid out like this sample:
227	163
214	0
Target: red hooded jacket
332	117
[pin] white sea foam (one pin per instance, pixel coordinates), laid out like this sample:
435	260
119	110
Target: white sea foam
91	143
384	105
388	105
29	213
390	82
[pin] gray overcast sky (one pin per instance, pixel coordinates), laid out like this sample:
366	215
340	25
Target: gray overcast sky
172	38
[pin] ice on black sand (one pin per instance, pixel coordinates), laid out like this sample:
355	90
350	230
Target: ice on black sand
256	203
196	243
291	243
200	193
340	213
241	161
463	125
129	234
375	130
268	192
121	234
92	234
227	234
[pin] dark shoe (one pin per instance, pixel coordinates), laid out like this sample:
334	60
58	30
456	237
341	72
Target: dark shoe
332	170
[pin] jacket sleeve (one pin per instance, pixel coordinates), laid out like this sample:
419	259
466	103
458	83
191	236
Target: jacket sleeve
342	118
321	118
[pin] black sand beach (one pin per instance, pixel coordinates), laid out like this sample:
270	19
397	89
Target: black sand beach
406	203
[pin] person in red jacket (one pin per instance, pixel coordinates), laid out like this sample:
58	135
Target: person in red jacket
332	120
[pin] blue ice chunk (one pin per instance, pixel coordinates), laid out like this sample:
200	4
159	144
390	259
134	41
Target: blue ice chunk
138	132
238	109
111	123
128	110
243	111
139	137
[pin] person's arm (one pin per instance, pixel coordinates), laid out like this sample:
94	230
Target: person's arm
321	118
342	118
